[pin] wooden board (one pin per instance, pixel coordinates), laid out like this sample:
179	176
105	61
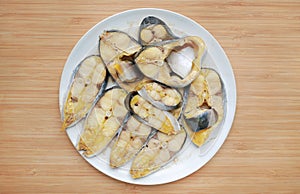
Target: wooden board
262	41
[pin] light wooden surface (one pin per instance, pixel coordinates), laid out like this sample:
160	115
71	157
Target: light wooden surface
262	41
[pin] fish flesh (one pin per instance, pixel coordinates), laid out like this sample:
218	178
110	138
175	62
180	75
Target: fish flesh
204	109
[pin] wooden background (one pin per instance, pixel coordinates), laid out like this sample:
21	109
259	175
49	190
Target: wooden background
262	41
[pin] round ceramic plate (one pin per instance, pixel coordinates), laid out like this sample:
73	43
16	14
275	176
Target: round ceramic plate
191	158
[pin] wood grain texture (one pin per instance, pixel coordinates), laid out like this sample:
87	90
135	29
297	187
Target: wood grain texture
262	151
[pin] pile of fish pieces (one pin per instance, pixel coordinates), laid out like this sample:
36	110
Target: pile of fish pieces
162	95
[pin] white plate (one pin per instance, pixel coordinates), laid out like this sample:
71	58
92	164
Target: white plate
191	158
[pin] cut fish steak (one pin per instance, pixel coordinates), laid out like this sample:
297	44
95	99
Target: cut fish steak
129	142
159	151
204	109
103	122
145	112
160	95
88	82
118	50
153	30
175	63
